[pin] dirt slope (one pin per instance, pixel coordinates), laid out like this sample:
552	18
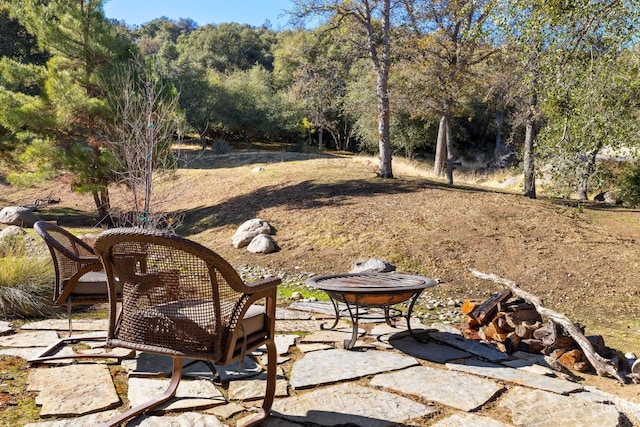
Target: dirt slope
331	211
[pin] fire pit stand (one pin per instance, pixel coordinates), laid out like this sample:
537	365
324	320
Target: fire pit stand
362	290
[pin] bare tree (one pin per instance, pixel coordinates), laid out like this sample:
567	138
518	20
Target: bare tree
146	125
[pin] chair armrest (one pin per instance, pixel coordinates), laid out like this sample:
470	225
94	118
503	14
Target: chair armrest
262	284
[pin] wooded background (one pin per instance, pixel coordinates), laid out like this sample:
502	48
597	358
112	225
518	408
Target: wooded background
549	87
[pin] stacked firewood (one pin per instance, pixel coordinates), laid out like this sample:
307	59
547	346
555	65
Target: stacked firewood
514	324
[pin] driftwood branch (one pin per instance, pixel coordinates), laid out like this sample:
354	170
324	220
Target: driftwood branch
603	367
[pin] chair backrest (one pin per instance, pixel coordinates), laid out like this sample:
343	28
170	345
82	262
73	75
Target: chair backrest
69	253
178	297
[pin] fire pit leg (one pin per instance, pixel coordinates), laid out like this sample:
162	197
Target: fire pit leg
348	344
337	318
414	299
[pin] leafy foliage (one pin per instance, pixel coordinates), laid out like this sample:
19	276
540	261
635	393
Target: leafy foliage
558	79
629	185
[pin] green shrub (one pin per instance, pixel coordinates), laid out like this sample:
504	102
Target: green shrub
220	146
26	281
629	185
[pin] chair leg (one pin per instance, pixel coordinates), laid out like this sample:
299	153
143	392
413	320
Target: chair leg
263	413
69	317
50	353
169	393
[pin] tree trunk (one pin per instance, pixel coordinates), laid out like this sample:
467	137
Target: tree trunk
441	149
449	150
382	90
320	143
499	148
529	167
589	169
384	134
101	199
582	189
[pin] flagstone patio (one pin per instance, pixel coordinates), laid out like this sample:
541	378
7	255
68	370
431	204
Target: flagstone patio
389	379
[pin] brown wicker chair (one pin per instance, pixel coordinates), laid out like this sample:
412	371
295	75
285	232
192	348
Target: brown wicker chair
79	278
183	300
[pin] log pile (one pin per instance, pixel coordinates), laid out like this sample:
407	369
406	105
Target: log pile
515	320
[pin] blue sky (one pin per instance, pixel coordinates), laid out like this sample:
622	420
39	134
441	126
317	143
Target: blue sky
252	12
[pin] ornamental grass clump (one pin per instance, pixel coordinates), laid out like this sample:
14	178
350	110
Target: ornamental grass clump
26	281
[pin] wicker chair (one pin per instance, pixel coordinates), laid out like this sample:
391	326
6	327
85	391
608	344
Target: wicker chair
79	279
183	300
79	275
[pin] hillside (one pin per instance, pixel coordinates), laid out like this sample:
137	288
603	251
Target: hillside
330	211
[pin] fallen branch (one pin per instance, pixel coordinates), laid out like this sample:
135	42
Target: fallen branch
603	367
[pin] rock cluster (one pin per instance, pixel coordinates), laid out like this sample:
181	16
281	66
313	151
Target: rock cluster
256	235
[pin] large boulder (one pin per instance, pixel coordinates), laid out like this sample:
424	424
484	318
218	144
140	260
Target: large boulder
372	265
11	231
262	244
608	197
18	215
249	230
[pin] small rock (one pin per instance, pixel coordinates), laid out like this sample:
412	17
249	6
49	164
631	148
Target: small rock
296	296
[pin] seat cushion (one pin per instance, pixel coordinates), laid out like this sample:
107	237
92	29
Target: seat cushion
94	283
254	319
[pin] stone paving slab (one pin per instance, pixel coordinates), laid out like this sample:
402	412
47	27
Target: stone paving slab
460	391
287	314
254	388
225	411
470	346
29	339
85	420
330	366
284	342
306	348
63	325
538	408
6	328
630	409
471	420
444	327
323	307
302	325
188	419
24	352
349	404
147	364
529	366
330	335
73	390
110	355
399	330
191	394
517	376
430	350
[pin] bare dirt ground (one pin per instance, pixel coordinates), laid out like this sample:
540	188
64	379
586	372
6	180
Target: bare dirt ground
330	211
